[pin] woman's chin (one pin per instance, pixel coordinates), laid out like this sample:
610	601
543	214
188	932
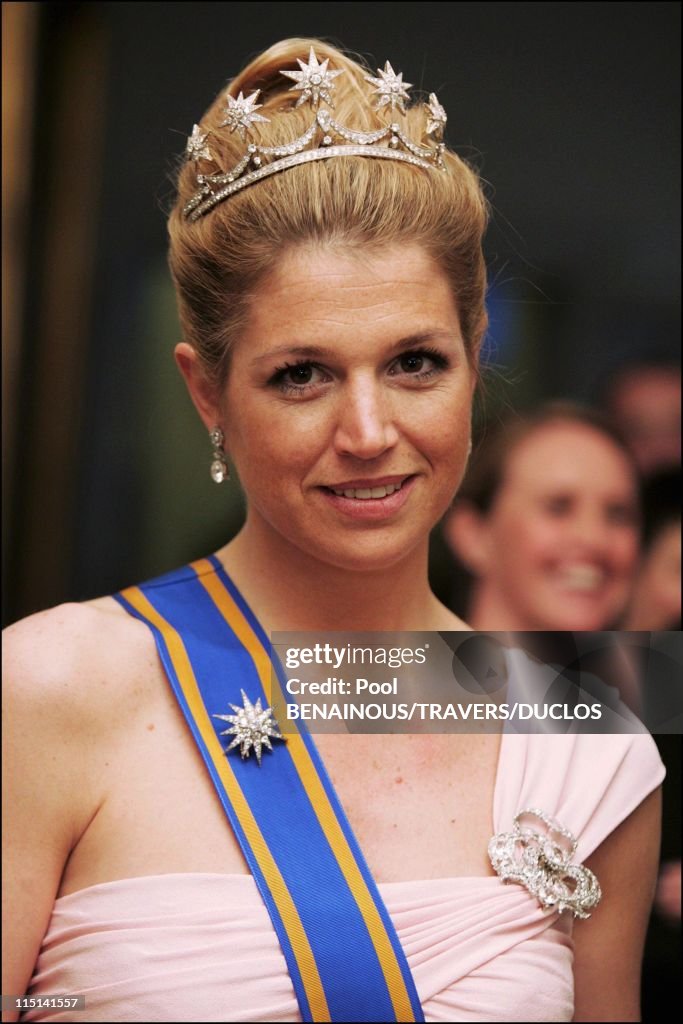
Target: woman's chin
575	621
370	554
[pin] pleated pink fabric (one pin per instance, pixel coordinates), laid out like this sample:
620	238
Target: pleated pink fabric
201	947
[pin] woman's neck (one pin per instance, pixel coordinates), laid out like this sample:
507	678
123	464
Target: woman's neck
290	590
488	611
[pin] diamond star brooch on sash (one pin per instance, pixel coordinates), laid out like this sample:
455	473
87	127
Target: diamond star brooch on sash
251	726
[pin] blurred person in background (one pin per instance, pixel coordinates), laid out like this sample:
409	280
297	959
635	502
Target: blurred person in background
656	605
656	600
668	896
522	527
643	399
547	524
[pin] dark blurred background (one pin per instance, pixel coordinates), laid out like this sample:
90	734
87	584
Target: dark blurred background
571	112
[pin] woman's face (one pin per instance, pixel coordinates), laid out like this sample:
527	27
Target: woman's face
562	534
347	406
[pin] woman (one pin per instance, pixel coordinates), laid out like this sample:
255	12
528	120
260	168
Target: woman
655	601
332	314
547	523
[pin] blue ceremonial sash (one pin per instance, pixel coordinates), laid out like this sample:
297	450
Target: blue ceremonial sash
342	951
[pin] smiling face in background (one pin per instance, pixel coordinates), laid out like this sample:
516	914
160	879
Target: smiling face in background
347	406
558	547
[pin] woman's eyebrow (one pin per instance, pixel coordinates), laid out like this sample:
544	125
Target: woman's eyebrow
310	351
424	337
319	351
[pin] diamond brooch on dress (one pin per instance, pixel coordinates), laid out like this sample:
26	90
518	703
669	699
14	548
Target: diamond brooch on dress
539	858
251	726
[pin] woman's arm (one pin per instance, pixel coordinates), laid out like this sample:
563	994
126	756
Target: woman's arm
609	946
47	798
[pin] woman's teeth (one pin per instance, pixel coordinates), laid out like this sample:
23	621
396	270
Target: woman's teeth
582	577
369	492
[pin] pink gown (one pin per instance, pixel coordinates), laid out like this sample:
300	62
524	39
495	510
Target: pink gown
201	947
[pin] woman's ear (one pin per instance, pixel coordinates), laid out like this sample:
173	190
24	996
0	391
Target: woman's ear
466	533
202	392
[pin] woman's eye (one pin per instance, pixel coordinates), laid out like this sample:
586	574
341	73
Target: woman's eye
411	363
622	515
301	374
298	377
421	364
558	506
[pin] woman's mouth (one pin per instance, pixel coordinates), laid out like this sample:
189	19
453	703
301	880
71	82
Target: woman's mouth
364	493
581	577
370	499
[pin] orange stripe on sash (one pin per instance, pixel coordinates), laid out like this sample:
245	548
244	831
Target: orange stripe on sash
281	895
316	794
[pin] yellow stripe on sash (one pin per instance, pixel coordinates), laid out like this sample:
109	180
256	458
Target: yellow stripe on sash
317	796
276	883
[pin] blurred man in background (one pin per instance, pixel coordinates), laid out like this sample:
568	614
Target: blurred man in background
643	398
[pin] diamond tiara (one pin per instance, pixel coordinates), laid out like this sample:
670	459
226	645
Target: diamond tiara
323	139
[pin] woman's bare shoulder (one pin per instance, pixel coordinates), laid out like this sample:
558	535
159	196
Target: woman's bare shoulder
92	649
73	680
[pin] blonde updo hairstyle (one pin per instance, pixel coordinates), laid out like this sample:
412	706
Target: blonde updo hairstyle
356	203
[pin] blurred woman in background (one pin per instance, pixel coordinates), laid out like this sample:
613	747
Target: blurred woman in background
547	523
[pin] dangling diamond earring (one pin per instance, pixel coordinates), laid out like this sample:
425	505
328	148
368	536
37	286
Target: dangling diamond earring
219	465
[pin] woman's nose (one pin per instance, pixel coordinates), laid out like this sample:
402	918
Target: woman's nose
365	425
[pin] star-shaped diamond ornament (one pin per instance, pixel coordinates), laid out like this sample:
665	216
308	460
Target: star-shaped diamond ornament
251	726
390	87
196	148
436	122
314	81
240	113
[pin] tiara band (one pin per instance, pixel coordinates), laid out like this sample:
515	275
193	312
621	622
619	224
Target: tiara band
325	138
